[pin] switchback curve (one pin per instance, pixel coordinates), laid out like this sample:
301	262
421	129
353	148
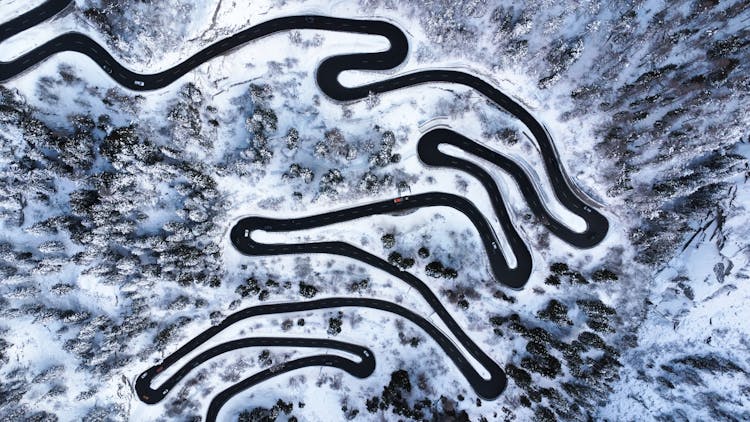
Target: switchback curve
241	237
151	395
223	397
327	78
327	74
362	369
596	224
488	389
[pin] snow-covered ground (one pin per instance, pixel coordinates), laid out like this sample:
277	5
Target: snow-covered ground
695	328
81	318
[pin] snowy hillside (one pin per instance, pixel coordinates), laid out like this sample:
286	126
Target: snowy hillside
116	207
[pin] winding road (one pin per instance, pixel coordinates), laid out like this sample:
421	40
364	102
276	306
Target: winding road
486	388
327	78
241	234
362	369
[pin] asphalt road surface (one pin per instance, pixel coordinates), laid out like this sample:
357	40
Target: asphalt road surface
486	388
362	369
327	78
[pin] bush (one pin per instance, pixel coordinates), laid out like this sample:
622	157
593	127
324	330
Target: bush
450	273
358	286
543	364
518	375
434	269
372	404
307	290
389	240
463	304
334	324
555	312
292	139
395	258
264	358
560	271
559	268
552	280
250	287
604	274
543	414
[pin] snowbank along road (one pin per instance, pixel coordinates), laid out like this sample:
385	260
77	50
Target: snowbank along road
241	234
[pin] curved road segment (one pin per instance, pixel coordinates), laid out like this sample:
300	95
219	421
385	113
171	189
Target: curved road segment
327	78
362	369
488	389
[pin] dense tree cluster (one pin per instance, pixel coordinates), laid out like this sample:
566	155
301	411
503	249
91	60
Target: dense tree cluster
402	399
263	123
262	414
548	356
100	185
106	198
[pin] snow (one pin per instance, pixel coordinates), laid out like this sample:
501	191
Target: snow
713	323
651	302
